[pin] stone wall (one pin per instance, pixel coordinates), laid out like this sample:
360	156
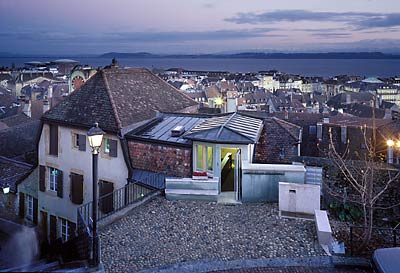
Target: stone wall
173	160
9	206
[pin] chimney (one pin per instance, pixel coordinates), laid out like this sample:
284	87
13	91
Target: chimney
27	108
46	106
348	98
50	91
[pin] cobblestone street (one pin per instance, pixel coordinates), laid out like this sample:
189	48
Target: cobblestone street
163	232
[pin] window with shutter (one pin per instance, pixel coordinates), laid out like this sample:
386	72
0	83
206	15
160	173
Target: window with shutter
110	147
82	142
53	140
42	178
76	188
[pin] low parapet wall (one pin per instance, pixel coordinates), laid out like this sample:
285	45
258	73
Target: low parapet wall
260	182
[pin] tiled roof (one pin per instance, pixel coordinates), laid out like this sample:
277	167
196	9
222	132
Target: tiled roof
12	171
291	128
16	120
116	98
232	128
212	92
19	140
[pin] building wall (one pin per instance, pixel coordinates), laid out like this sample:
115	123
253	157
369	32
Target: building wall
69	159
275	145
9	206
174	160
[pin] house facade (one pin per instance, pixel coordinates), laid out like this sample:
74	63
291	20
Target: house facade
117	99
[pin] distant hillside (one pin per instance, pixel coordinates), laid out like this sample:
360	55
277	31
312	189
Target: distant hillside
252	55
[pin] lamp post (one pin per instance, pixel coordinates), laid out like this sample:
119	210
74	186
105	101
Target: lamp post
95	136
390	144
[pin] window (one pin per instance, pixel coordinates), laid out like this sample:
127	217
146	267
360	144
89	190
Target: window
312	130
29	213
107	146
204	158
79	142
53	175
110	147
64	232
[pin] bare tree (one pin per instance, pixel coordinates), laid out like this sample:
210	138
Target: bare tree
367	178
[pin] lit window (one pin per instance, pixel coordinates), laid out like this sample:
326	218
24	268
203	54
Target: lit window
53	178
64	229
29	214
204	158
200	157
107	146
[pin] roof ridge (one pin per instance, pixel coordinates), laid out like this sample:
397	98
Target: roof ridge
224	124
173	87
111	100
3	158
279	121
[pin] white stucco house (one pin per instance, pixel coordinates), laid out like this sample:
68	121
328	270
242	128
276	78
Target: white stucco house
118	100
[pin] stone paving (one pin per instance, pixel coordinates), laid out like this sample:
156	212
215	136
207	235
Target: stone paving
162	232
293	269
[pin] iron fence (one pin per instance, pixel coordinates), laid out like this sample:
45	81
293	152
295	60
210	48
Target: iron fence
114	201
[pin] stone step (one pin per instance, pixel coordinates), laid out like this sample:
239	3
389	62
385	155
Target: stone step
191	197
192	185
191	192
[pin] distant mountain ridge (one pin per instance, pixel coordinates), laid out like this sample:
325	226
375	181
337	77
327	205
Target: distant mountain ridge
257	55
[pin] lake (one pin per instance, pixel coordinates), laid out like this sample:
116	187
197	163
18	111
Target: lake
306	67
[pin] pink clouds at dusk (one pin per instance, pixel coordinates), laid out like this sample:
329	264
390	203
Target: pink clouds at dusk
179	26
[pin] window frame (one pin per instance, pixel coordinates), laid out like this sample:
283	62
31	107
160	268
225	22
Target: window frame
53	183
205	159
64	229
107	146
29	207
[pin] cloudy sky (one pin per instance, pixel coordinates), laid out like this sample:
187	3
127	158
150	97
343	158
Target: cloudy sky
198	26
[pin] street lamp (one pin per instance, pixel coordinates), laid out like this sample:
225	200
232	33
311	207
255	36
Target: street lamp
95	136
390	144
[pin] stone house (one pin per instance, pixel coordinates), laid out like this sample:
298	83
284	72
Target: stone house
16	205
119	100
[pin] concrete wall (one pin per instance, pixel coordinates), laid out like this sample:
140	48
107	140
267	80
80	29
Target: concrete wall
71	160
260	182
299	198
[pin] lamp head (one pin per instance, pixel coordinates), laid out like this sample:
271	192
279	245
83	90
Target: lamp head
95	136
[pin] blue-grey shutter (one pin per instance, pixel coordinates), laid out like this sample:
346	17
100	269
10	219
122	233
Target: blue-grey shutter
82	142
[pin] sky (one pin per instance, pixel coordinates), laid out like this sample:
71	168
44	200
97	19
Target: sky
198	26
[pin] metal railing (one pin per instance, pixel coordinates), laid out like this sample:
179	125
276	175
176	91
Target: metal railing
381	237
113	202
